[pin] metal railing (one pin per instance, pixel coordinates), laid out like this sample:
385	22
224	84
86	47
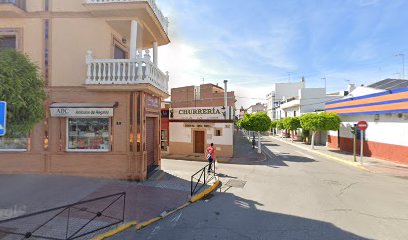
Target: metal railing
19	3
201	178
72	221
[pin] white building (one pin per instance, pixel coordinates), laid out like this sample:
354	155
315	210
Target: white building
258	107
308	100
384	106
280	92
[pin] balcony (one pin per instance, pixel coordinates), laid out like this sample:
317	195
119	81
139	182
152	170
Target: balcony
12	8
126	75
144	10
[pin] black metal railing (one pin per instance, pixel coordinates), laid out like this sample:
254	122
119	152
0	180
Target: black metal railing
73	221
201	178
19	3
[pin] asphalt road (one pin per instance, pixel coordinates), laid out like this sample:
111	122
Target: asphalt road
293	194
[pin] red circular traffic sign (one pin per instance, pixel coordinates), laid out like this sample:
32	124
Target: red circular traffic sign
362	125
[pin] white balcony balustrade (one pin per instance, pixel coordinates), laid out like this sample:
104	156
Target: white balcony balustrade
164	21
126	71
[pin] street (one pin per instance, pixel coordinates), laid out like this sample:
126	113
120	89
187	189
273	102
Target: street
292	194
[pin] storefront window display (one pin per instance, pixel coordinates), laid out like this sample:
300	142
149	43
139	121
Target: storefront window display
88	134
18	142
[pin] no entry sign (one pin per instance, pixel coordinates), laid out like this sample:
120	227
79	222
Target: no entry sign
362	125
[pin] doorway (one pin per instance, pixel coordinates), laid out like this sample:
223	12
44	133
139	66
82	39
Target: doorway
198	141
150	143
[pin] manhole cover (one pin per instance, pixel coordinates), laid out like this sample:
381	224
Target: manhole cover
236	183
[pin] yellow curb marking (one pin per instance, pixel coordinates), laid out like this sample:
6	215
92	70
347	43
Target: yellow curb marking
115	231
204	193
147	223
354	164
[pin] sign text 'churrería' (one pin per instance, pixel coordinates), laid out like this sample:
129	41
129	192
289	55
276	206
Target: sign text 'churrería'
204	113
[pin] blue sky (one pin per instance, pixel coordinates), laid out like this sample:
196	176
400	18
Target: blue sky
254	43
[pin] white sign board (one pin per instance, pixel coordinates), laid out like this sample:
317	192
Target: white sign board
81	112
201	113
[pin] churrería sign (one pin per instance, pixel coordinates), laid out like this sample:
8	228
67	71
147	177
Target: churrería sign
205	113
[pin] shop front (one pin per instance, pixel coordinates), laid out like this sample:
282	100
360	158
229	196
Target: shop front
192	130
90	133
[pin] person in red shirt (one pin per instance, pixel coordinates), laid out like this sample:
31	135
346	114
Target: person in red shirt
210	156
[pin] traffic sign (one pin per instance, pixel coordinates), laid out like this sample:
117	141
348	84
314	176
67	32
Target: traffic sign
362	125
3	118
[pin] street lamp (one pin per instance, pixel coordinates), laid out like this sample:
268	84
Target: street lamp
403	63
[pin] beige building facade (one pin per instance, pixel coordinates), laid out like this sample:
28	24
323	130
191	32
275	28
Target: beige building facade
200	115
100	67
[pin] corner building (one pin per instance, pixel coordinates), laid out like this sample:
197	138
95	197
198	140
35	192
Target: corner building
198	117
100	67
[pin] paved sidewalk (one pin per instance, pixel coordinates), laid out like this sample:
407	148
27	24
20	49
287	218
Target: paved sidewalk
24	194
243	153
370	163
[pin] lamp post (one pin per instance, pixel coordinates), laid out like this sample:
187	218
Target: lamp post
403	63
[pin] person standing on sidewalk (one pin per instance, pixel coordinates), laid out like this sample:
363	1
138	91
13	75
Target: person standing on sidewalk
210	156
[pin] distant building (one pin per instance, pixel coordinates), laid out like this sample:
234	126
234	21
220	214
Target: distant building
258	107
384	106
308	100
164	127
198	117
279	93
242	112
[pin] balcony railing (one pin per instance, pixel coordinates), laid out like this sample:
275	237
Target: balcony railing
164	21
19	3
126	71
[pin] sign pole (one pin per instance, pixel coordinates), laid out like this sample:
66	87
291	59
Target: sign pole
361	148
355	144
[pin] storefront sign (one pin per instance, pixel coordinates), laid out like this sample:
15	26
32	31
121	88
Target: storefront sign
81	112
205	113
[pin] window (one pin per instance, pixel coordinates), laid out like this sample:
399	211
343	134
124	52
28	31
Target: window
8	41
217	132
17	143
88	134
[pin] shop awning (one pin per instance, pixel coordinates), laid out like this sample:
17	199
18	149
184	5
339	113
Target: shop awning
82	109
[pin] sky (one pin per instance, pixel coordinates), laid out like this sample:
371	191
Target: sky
255	43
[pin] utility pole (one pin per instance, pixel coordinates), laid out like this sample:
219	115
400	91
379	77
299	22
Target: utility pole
402	55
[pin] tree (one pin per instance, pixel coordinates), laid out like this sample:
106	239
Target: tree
291	124
315	122
23	89
258	122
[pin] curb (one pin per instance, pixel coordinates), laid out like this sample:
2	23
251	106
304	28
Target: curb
194	159
139	226
354	164
115	231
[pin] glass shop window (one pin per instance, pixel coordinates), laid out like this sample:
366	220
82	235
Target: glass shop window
88	134
18	142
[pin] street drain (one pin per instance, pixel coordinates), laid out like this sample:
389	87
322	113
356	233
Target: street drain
236	183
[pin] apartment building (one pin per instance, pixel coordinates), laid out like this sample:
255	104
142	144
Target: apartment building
200	115
100	67
281	92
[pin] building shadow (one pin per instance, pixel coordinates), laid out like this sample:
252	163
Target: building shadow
227	216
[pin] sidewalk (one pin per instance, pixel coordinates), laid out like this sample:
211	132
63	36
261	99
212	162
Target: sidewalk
369	163
243	153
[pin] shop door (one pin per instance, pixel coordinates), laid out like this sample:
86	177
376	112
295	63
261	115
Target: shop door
198	141
150	140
